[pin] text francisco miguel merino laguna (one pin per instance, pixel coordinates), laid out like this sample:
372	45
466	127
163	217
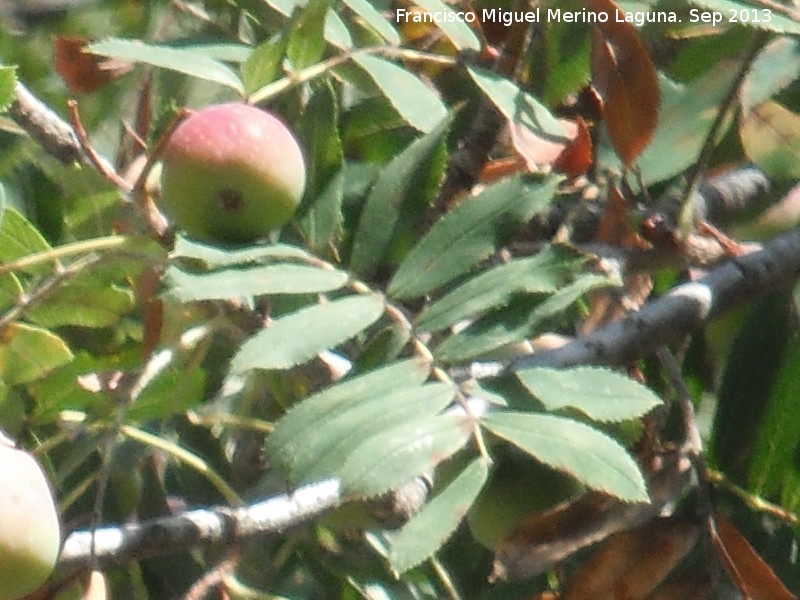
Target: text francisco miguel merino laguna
507	17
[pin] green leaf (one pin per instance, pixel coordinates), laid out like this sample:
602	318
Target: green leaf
425	533
774	69
420	106
321	210
515	104
299	336
467	234
374	19
28	353
183	60
214	256
84	304
600	394
336	31
774	461
319	450
459	33
263	66
542	273
18	238
306	44
319	408
172	393
685	118
8	86
253	281
590	456
11	290
521	320
401	453
388	196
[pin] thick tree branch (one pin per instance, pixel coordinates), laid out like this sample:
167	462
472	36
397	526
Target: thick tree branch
202	527
683	310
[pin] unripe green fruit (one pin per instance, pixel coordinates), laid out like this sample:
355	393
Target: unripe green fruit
30	536
231	173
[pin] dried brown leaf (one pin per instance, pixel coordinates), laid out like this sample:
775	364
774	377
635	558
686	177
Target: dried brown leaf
752	571
83	72
625	78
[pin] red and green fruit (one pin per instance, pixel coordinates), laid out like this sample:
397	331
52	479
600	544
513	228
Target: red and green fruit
231	173
30	535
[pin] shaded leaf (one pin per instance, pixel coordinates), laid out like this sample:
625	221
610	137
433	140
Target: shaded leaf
759	579
774	69
387	198
687	112
263	66
468	233
335	32
542	273
28	353
523	318
18	238
187	61
85	304
396	455
425	533
418	104
374	19
459	33
251	281
771	138
324	325
515	104
590	456
306	42
626	80
321	211
773	469
600	394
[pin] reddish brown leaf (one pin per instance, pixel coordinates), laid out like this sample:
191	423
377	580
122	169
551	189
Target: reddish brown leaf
501	167
625	78
691	586
577	156
631	564
81	71
752	572
545	539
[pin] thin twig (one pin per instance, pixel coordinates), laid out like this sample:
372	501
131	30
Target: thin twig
101	165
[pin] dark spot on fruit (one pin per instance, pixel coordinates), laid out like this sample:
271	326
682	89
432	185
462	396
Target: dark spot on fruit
230	200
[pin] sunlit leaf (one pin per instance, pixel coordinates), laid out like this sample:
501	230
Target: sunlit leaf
425	533
319	408
323	326
418	104
251	281
601	394
187	61
590	456
374	19
28	353
396	455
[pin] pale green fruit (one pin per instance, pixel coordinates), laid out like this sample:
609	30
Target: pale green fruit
30	536
231	173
